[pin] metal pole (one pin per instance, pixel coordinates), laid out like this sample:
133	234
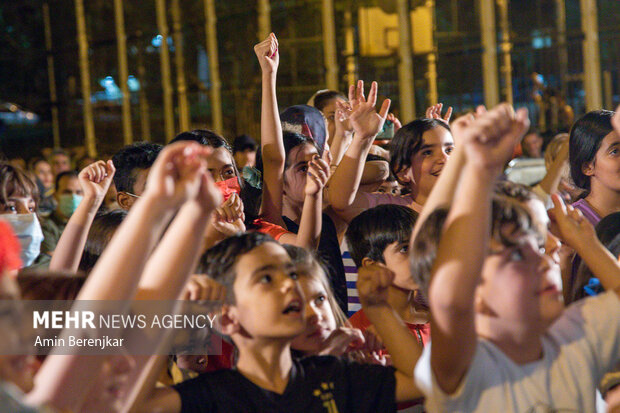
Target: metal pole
51	74
165	69
506	47
184	116
591	56
264	19
431	59
145	118
405	67
89	125
329	45
349	47
121	42
489	55
560	24
214	66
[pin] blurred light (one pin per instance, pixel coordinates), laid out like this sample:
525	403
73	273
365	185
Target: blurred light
133	83
156	42
13	108
30	116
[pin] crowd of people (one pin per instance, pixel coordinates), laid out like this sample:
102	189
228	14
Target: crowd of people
348	276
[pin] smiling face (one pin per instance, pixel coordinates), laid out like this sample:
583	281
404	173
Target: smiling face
320	320
296	172
520	284
604	170
428	162
269	302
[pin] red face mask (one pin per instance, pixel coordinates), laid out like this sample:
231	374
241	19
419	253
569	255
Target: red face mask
228	187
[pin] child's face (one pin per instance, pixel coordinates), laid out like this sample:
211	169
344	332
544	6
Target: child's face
221	165
541	222
269	300
296	173
520	284
396	256
389	188
43	171
605	169
320	320
18	204
428	162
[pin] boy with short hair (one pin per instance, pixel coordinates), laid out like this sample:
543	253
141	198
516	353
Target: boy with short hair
263	313
133	163
381	235
500	338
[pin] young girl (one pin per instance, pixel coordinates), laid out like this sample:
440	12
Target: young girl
594	164
18	205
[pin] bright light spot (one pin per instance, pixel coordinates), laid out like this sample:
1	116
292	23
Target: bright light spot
13	108
156	42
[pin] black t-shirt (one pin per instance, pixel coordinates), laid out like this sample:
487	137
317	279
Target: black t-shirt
329	251
322	384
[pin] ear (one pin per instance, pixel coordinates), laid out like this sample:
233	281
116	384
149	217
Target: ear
480	305
405	176
124	201
588	168
229	321
367	261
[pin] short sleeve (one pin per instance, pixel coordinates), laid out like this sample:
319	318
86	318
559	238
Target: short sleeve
372	388
268	228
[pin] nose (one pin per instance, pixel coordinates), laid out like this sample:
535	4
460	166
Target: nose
552	247
22	208
312	317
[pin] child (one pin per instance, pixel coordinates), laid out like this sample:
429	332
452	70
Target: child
593	158
499	339
263	313
381	235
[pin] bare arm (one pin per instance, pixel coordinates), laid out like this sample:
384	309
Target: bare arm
95	180
488	141
272	145
550	182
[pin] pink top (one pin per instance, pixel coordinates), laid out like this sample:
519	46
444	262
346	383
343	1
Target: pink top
587	211
379	198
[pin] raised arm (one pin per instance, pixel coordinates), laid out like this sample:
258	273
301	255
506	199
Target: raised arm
95	181
488	142
344	184
271	143
373	283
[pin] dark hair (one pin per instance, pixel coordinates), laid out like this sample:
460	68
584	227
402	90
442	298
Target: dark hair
291	140
322	98
15	181
60	151
218	262
372	157
520	192
49	285
242	143
585	140
129	160
32	163
408	140
373	230
101	231
67	174
203	137
424	251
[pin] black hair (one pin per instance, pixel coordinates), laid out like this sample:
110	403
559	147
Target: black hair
372	157
322	98
203	137
586	136
101	231
291	140
15	181
68	174
242	143
373	230
129	160
218	262
407	141
520	192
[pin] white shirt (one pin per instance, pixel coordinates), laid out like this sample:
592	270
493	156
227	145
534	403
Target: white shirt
578	349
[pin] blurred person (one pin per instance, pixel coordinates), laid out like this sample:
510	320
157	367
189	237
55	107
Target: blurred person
42	171
532	144
132	164
60	161
18	163
244	151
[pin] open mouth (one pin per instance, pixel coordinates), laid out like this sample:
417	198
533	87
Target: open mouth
294	307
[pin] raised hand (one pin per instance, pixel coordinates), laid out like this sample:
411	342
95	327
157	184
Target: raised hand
318	174
366	122
570	225
342	122
434	112
267	54
397	124
202	288
342	340
180	174
373	282
490	137
229	217
96	178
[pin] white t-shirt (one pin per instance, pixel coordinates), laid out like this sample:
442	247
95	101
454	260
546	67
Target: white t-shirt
578	349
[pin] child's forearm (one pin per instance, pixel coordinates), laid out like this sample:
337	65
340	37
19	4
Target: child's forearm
346	179
71	244
601	262
339	145
311	221
403	347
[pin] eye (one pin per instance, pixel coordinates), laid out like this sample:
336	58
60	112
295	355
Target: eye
404	249
614	151
10	208
294	275
516	255
229	173
265	279
449	149
304	169
427	152
381	190
320	299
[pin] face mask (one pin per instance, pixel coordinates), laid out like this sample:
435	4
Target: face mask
28	232
228	187
68	203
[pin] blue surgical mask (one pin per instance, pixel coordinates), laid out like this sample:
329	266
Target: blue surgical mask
28	232
68	203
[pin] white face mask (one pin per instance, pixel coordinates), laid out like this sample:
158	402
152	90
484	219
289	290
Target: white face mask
28	231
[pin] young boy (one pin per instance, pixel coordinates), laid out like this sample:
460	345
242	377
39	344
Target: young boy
263	313
381	235
500	338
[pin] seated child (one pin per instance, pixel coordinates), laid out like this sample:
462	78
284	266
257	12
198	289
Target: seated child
500	338
263	313
381	235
